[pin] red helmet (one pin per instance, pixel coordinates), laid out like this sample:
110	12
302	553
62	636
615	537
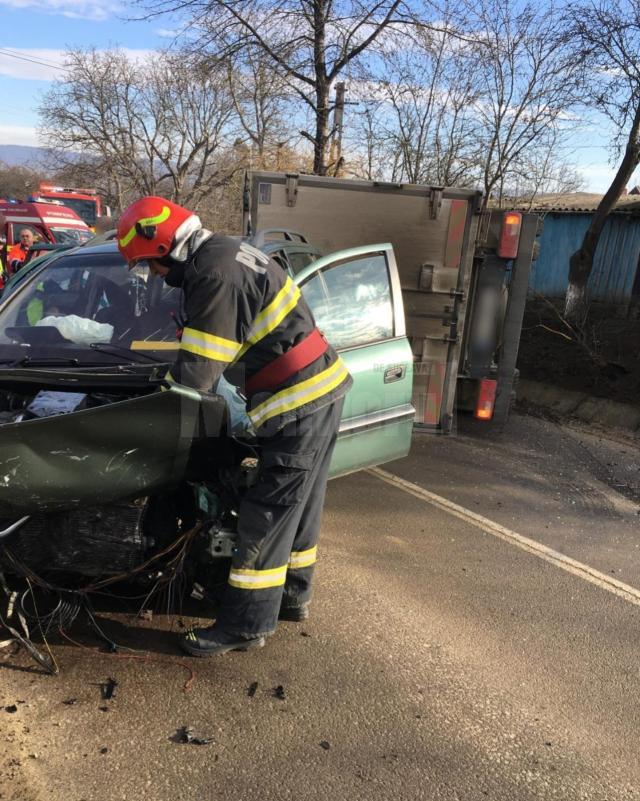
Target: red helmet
147	228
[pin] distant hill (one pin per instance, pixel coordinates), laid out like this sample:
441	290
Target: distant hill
23	156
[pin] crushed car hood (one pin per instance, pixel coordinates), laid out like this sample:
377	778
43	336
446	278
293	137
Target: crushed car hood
122	449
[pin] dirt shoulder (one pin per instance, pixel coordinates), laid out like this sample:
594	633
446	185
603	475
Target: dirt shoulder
607	365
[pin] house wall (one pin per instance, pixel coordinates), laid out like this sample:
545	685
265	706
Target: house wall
616	260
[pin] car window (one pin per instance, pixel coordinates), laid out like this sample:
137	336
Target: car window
299	261
71	236
352	302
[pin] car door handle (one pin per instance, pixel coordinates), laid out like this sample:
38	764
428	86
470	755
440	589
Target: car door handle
395	373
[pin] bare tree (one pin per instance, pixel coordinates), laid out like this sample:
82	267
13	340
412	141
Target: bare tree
310	43
542	171
526	79
424	110
157	126
607	34
18	182
260	101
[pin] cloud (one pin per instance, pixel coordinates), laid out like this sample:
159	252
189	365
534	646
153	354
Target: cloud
95	10
18	134
598	176
31	64
43	64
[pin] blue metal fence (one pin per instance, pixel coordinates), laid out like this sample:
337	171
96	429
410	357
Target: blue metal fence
615	264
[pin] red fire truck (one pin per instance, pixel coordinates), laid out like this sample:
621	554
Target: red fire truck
86	203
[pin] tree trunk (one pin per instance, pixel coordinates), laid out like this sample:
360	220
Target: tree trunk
581	262
321	142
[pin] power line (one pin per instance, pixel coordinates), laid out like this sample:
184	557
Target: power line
41	63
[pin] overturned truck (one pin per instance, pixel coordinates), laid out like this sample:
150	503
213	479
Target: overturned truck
463	275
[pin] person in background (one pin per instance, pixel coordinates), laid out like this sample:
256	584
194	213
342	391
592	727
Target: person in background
20	253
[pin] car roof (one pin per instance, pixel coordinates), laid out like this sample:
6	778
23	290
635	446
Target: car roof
99	249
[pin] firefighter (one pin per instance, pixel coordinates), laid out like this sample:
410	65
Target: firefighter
20	253
247	319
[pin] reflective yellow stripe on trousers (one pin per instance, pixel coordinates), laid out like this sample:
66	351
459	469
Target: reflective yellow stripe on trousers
209	345
300	559
245	579
299	394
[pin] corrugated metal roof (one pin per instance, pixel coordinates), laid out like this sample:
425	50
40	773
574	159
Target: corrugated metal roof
580	203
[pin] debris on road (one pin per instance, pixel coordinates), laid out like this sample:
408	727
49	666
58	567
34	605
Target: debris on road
278	692
305	634
252	689
11	709
70	702
108	689
325	744
186	736
104	750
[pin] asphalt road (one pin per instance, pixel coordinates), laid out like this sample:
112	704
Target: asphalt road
441	662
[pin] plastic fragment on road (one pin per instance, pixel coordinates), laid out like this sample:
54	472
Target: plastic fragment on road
252	689
186	736
325	744
278	692
108	689
11	709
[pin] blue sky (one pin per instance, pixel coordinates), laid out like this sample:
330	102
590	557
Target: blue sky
45	28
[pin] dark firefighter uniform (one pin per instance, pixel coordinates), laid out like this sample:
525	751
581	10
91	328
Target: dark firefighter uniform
243	314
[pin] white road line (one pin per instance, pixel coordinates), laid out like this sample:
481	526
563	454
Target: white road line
590	574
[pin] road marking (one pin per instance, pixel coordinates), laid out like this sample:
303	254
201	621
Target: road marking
590	574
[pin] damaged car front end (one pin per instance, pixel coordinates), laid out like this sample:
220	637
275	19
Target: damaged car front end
109	472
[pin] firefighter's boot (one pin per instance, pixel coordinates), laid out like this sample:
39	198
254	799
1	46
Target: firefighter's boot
294	614
213	640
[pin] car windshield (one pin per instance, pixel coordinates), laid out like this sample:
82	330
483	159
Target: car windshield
72	236
85	298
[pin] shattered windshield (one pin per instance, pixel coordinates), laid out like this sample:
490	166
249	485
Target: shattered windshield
71	236
86	298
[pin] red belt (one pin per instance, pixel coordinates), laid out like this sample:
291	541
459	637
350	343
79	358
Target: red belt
291	362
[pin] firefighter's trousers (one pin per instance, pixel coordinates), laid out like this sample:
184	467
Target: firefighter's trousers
279	523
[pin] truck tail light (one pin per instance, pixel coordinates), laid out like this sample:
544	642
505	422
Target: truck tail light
486	398
510	235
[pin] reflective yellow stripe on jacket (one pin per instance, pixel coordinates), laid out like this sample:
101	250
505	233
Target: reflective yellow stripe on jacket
272	315
209	346
245	579
304	392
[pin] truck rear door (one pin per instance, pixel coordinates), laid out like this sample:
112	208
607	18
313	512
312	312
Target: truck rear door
432	230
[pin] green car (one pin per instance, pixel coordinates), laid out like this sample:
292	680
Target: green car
85	344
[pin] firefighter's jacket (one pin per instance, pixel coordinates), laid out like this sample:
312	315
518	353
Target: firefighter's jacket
242	311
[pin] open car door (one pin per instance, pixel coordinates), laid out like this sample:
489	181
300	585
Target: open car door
356	299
